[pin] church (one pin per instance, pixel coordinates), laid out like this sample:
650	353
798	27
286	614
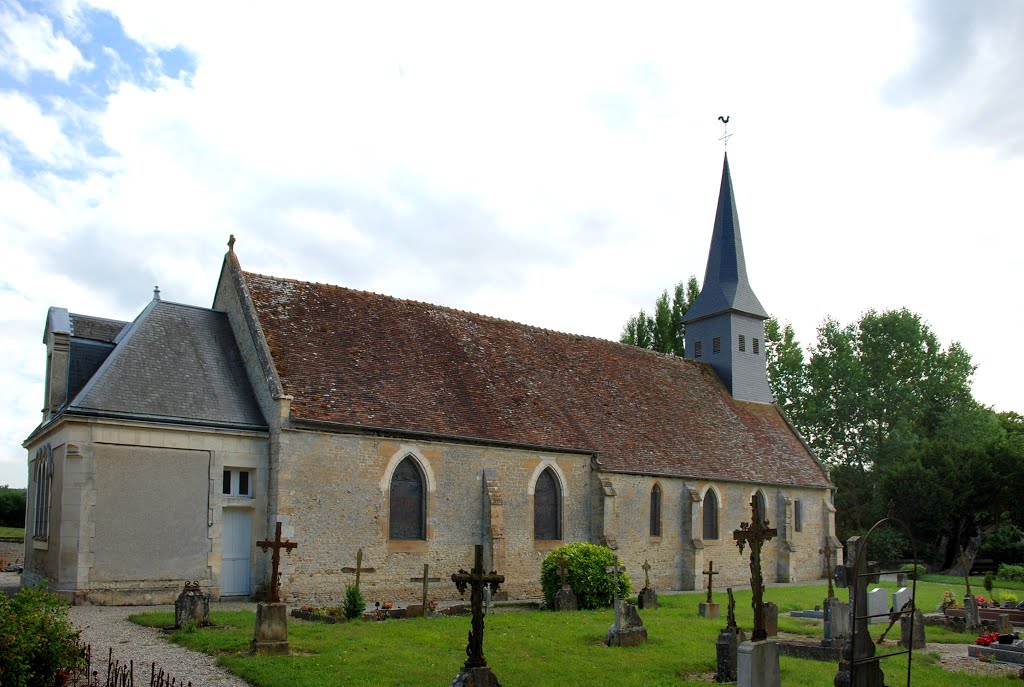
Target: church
172	444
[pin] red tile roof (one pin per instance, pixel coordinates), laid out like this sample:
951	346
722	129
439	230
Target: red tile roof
359	358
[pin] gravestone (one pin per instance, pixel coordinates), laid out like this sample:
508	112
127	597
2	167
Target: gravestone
912	638
1004	626
757	661
565	597
972	619
770	615
757	665
708	608
878	605
628	629
726	648
837	623
192	605
271	633
900	598
647	598
475	672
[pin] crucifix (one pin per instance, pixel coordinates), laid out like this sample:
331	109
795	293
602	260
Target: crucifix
827	550
615	570
275	575
709	572
477	579
425	580
359	567
647	574
562	571
756	534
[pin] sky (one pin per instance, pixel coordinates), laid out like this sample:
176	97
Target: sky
555	164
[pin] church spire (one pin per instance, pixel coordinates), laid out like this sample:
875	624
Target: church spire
725	324
725	285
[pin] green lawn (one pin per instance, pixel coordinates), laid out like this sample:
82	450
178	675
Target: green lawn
12	532
532	649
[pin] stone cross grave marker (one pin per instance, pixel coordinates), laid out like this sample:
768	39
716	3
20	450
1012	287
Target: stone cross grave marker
426	580
476	579
562	572
964	563
755	533
827	551
615	570
275	575
710	572
359	567
647	573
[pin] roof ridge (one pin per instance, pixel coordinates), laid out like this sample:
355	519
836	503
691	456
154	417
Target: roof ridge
97	317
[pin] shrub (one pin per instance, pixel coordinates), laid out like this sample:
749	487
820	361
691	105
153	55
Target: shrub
887	544
987	581
39	642
585	574
354	604
914	571
1010	572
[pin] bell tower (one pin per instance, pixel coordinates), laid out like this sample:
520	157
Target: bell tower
725	325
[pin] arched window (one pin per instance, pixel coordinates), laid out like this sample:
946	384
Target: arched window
43	475
710	515
408	502
656	511
547	507
760	508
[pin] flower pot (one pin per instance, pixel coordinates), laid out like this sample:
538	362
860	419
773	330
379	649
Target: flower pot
1006	639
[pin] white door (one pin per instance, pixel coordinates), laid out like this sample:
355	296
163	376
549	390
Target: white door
235	550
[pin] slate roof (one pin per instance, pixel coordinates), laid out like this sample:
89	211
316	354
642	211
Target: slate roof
366	360
95	328
725	286
174	362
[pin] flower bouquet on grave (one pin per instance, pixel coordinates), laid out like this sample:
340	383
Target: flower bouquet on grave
948	601
987	639
982	601
431	606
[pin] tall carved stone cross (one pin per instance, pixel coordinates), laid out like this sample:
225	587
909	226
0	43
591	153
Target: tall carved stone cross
275	575
477	579
827	551
756	535
710	572
615	570
426	581
562	572
647	574
359	567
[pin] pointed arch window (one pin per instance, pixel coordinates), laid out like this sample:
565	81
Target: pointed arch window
43	481
547	507
760	508
407	517
711	515
656	511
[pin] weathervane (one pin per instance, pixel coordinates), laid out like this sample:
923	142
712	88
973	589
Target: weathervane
724	119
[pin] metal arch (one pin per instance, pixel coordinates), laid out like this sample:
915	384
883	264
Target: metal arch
859	573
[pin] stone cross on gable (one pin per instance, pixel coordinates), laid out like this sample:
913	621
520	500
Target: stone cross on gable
477	579
359	567
615	569
827	550
647	574
710	572
426	580
275	575
562	572
755	534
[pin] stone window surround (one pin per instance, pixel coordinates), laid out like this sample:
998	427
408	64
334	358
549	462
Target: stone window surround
563	495
718	519
233	491
762	501
42	484
408	451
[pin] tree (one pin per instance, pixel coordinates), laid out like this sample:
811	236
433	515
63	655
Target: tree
12	506
787	375
664	332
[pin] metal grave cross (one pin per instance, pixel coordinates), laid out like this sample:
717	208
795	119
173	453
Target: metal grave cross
477	579
426	581
827	551
647	574
275	575
710	572
562	571
359	567
967	570
615	570
755	534
730	620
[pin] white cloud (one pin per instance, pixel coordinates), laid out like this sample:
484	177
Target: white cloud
40	134
28	43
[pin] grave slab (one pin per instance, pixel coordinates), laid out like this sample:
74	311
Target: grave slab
837	623
878	605
900	597
917	641
726	652
648	598
757	665
1003	653
770	618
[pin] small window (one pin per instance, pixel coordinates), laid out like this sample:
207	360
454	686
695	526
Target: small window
236	482
756	346
798	516
716	345
743	343
656	511
710	515
547	507
697	349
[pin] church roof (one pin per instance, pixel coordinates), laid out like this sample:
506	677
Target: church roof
173	363
725	286
365	360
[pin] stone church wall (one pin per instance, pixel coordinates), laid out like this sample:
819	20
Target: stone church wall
334	499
